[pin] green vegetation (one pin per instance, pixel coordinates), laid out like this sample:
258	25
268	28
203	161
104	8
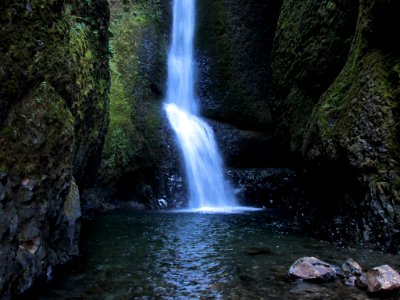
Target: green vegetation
355	126
311	47
138	48
65	47
41	121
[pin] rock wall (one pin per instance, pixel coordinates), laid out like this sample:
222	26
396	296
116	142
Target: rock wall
234	42
136	152
311	45
336	79
54	83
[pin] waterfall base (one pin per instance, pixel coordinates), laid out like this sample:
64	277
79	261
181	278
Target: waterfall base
218	210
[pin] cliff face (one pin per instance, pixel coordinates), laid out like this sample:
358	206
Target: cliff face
234	42
135	148
337	104
54	84
311	46
356	124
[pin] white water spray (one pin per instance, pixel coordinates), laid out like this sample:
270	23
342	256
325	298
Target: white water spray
204	169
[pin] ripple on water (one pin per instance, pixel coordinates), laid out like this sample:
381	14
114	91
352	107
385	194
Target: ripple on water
139	255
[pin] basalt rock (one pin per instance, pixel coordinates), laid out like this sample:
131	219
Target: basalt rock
53	116
335	100
137	153
272	188
351	267
233	55
380	279
234	41
354	129
245	148
312	269
311	46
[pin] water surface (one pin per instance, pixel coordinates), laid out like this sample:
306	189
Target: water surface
184	255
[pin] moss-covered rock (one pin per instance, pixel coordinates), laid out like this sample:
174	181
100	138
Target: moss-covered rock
356	124
54	83
311	45
133	151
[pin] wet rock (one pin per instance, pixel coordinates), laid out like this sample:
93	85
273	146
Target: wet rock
72	211
350	281
29	231
351	267
28	184
136	205
2	192
52	127
243	148
269	187
162	203
3	177
354	139
311	268
259	251
380	279
339	271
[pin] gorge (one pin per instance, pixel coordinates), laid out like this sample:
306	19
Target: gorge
301	97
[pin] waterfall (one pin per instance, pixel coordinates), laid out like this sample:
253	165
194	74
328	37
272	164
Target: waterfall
203	164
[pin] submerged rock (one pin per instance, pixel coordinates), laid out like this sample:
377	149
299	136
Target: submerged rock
259	251
311	268
380	279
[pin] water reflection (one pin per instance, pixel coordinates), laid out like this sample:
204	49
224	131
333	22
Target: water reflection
191	253
130	255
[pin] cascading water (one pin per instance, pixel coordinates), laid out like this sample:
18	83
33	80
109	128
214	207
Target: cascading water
204	168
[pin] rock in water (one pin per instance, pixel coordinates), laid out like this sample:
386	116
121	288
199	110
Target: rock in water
311	268
258	251
380	279
351	267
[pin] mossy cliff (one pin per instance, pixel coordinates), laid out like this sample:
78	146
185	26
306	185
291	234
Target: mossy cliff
133	152
311	46
345	101
54	83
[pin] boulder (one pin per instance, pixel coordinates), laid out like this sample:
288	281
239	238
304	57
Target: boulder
311	268
351	267
380	279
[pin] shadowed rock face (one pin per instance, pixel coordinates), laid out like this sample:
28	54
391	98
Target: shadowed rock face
336	103
54	84
311	45
233	52
234	41
137	158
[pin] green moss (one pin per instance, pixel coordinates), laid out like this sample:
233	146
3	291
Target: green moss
38	127
64	44
311	46
357	119
133	142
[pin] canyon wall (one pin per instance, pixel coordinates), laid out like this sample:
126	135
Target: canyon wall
54	82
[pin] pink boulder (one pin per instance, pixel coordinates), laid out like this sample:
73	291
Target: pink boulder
311	268
380	279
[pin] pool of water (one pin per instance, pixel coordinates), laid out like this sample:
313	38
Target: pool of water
193	255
